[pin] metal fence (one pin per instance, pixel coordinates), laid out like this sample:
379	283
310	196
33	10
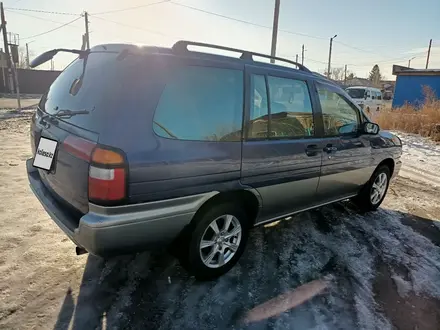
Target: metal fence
31	81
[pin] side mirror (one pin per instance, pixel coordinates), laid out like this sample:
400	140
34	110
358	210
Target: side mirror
365	96
370	128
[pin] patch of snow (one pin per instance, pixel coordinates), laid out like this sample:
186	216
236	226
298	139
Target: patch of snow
403	287
397	243
420	158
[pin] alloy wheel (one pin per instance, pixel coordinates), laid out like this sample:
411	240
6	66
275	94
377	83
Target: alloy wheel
378	189
220	241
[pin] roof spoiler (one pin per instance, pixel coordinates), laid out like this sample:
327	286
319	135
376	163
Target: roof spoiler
47	56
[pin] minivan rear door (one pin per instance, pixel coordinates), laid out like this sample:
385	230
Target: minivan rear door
71	114
281	155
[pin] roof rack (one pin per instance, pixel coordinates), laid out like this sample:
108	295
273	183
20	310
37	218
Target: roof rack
182	46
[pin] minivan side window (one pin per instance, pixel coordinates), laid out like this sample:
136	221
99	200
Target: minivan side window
288	114
339	115
259	111
202	104
290	108
379	95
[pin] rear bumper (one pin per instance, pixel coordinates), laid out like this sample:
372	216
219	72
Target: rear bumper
113	230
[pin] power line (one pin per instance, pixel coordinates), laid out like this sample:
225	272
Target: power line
390	60
130	8
42	11
131	26
76	14
354	47
40	18
58	27
243	21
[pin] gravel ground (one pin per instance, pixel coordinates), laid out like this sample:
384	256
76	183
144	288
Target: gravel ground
374	271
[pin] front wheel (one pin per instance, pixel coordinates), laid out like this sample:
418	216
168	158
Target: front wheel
374	191
217	240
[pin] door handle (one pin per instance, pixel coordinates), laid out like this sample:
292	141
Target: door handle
312	150
329	148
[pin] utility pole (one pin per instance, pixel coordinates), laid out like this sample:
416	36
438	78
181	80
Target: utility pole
86	18
302	55
10	78
27	55
429	53
330	55
409	61
345	74
296	59
276	14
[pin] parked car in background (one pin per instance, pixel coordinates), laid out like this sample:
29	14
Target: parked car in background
367	98
140	147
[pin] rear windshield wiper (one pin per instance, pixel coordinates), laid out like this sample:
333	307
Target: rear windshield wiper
69	113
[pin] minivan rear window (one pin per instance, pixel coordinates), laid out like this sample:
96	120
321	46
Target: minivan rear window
201	103
84	85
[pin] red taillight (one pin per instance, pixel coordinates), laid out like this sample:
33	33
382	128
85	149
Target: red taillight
79	147
107	175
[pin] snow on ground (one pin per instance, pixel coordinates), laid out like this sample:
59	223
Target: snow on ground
421	158
385	266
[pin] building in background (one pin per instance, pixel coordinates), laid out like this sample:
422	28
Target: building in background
357	82
410	84
3	68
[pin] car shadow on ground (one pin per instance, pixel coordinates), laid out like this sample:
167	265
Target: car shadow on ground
152	291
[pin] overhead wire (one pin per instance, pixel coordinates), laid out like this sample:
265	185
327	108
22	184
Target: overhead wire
131	26
242	21
77	14
49	31
42	11
40	18
130	8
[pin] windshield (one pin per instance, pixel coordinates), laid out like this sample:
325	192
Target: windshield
356	93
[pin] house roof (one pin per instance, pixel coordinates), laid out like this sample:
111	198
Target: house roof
357	82
399	70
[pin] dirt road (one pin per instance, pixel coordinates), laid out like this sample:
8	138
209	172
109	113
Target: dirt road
385	267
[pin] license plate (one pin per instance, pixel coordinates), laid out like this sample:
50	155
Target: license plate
45	153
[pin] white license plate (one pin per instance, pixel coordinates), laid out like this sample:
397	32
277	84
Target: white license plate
45	153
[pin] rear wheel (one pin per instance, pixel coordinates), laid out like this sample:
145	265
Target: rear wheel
217	241
373	193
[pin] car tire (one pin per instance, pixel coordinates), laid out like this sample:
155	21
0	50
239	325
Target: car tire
373	193
224	230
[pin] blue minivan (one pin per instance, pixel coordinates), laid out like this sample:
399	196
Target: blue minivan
140	147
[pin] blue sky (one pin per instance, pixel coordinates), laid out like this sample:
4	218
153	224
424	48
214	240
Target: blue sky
369	32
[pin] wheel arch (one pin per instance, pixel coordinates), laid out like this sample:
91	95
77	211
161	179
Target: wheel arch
250	201
389	162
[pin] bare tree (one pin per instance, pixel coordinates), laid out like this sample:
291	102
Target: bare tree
339	74
22	58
